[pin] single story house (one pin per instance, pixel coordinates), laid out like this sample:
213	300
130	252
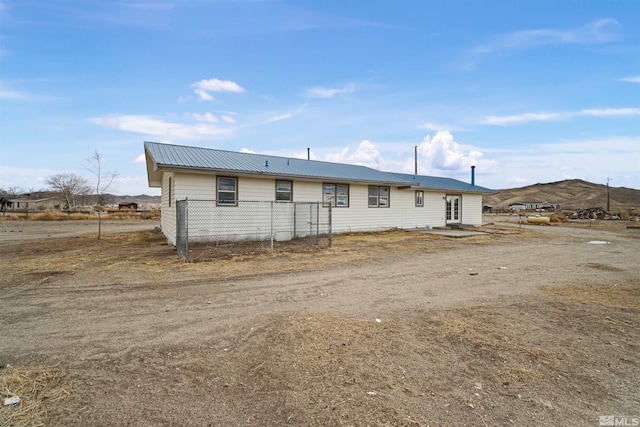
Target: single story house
127	206
362	198
534	206
33	204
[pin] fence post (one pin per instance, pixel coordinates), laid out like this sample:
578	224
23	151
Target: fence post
318	224
330	227
310	224
271	225
186	220
295	205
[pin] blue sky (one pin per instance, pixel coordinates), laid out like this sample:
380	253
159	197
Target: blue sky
527	91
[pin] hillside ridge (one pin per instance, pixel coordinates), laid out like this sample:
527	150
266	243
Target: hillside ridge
569	194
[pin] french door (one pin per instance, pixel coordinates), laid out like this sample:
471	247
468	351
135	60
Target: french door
453	209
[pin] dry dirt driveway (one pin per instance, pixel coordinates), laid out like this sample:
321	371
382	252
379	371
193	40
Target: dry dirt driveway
532	326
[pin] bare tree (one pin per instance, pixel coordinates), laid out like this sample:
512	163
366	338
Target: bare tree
70	186
14	191
103	180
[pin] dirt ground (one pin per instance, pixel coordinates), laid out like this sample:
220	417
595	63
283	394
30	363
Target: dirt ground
519	326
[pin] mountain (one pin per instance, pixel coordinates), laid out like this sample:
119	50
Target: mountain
570	194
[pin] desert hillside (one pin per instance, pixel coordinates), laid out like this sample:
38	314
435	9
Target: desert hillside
569	194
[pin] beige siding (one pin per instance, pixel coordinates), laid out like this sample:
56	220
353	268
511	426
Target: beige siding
168	210
435	204
402	212
472	209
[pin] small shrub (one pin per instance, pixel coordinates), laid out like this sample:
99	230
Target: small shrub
10	217
558	218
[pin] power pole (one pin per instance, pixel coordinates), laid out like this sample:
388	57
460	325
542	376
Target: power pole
608	194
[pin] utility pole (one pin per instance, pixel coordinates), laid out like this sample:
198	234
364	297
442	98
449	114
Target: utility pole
608	193
415	159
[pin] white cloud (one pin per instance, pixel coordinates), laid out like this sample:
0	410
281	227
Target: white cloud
518	180
433	126
592	160
14	95
206	117
632	79
365	155
140	159
322	92
601	31
203	87
521	118
228	119
545	117
279	118
246	150
151	126
611	112
442	152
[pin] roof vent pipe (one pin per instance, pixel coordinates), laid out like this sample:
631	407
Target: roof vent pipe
473	176
266	163
308	153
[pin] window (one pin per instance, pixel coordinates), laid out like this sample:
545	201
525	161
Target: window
335	195
378	197
169	191
227	191
284	191
419	198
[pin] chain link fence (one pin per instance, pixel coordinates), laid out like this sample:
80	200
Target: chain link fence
210	229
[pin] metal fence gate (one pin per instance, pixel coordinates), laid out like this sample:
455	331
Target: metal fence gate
207	229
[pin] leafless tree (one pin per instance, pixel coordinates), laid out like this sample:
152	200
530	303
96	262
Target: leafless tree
14	191
103	180
70	186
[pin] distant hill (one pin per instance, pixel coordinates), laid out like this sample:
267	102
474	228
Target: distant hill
569	194
141	200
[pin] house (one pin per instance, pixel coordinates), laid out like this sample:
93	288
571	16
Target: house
33	204
517	206
534	206
128	206
361	198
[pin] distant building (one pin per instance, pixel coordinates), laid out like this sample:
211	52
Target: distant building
30	204
533	206
128	206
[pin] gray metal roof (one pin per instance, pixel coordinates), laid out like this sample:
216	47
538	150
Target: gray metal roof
182	157
438	183
166	156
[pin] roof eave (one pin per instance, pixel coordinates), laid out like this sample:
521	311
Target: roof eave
199	169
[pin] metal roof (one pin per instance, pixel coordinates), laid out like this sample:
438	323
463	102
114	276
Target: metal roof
167	156
183	157
438	183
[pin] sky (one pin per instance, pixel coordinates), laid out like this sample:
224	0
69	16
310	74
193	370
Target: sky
528	91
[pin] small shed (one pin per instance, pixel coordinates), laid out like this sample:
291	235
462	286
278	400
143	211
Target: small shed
132	206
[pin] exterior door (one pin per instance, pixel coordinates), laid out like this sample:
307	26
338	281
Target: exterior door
453	209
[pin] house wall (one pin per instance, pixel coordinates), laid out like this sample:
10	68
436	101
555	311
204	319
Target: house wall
472	209
168	210
401	213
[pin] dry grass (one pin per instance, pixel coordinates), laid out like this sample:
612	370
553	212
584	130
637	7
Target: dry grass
618	296
500	365
71	216
40	389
